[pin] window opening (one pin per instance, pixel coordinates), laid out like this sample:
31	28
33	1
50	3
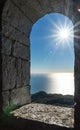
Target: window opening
52	63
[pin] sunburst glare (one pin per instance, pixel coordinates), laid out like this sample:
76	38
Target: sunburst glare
63	34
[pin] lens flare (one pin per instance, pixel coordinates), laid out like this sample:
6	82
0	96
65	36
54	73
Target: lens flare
63	34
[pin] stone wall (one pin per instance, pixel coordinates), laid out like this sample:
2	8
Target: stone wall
17	20
15	56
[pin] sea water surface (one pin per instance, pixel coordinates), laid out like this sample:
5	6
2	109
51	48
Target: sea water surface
60	83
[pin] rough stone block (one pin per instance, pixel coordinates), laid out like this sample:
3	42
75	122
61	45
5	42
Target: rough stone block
18	67
17	20
20	96
8	72
14	34
7	30
31	13
5	95
25	25
21	51
9	13
35	5
28	10
20	37
25	73
45	5
6	45
77	90
22	31
23	70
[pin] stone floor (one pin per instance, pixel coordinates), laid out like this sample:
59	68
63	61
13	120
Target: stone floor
62	116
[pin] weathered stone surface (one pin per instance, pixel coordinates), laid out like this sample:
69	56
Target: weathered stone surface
28	10
57	7
49	114
77	116
20	96
13	34
5	95
18	69
35	5
45	5
9	14
17	20
8	30
6	45
9	72
25	26
21	51
18	36
25	73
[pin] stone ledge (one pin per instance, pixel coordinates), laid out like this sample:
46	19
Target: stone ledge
62	116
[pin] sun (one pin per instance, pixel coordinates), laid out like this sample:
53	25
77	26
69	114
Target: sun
64	34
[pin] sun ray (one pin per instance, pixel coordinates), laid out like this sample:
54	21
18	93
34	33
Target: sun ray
63	34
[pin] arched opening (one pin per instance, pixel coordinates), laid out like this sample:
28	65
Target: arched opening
52	61
49	52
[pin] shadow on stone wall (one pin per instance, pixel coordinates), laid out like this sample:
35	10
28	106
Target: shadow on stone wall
13	123
2	2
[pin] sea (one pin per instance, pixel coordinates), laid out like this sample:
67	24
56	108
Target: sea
53	83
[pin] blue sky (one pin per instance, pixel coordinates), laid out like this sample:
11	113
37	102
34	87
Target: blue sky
47	53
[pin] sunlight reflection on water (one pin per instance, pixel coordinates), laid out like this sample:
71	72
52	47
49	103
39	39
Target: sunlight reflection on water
62	83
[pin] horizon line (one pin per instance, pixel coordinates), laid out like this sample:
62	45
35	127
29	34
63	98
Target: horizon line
52	72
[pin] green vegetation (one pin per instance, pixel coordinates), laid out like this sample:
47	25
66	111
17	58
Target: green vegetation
6	116
8	109
53	99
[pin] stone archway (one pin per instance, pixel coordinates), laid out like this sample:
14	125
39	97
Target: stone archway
17	19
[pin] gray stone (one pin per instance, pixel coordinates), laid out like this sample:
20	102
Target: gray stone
14	34
27	9
6	45
21	38
18	67
7	30
21	51
20	96
9	14
25	26
9	72
5	95
50	114
28	12
45	5
25	73
16	20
